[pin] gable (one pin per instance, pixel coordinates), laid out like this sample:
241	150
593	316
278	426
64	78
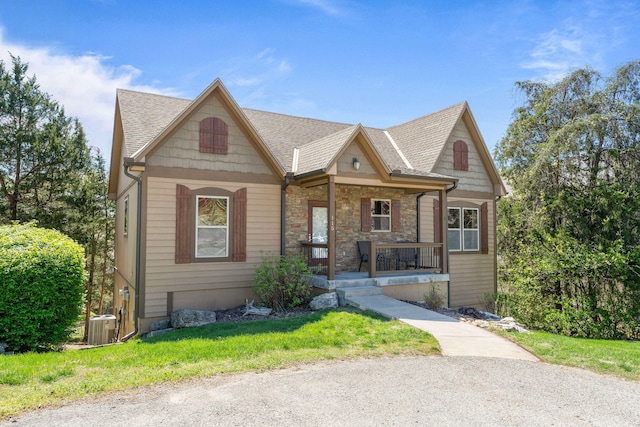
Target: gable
476	177
181	149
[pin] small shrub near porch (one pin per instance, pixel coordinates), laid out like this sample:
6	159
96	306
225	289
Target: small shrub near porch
282	282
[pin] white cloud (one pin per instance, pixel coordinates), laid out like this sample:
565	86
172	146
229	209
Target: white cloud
557	53
256	70
327	6
85	85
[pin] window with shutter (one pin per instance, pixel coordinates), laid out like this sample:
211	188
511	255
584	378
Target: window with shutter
214	136
460	156
468	227
211	225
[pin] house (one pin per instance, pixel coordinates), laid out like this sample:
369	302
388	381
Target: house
204	188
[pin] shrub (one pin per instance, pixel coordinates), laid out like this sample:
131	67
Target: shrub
282	281
41	287
433	298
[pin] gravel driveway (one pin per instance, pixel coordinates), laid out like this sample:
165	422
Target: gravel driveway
398	391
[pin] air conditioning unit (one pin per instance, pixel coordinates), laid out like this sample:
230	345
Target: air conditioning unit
102	329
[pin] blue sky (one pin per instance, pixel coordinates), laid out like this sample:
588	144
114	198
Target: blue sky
378	63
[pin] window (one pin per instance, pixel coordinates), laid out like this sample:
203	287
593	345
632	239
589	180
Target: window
463	231
380	215
212	227
126	216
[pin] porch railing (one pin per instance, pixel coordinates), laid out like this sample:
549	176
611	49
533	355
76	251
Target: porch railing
317	256
399	257
389	257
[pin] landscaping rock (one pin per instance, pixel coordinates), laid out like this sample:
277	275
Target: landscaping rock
2	347
328	300
187	318
160	325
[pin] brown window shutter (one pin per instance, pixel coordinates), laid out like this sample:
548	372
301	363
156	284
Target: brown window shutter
183	224
240	225
396	223
437	230
365	214
460	156
484	228
214	136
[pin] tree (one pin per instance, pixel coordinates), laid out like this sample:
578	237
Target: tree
49	174
569	235
40	148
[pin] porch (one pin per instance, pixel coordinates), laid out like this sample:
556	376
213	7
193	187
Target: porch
389	260
354	279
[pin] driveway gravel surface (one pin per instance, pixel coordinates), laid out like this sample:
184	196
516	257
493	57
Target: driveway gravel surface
443	391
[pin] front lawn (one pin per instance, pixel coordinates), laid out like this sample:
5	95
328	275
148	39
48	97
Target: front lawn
620	358
32	379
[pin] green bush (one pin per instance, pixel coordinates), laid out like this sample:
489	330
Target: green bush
41	287
433	298
282	281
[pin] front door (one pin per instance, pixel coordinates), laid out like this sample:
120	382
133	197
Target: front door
318	231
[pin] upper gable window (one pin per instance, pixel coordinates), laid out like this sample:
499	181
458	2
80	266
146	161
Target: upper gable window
460	156
214	136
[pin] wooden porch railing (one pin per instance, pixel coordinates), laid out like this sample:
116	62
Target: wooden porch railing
399	257
389	257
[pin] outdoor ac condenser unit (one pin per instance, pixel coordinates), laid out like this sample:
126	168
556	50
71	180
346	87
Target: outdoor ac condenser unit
101	329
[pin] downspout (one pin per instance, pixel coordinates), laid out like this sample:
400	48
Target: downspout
283	212
128	162
448	190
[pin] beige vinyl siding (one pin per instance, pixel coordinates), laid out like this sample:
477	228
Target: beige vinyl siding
476	178
182	148
125	253
232	279
473	275
426	218
345	162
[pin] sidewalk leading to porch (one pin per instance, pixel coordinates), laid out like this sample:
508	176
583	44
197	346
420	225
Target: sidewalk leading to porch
456	338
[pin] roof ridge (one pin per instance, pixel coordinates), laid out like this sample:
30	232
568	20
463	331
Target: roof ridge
152	94
348	129
298	117
442	110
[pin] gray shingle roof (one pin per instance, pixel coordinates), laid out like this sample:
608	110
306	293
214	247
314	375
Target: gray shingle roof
318	154
422	140
145	116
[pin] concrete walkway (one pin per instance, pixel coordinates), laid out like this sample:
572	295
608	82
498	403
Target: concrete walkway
456	338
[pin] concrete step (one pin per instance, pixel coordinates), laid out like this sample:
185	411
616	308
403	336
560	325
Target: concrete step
344	294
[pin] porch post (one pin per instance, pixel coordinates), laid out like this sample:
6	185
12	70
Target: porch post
443	230
331	244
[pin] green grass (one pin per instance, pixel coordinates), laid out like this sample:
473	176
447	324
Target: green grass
32	379
620	358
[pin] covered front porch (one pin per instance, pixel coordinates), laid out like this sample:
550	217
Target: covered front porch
387	230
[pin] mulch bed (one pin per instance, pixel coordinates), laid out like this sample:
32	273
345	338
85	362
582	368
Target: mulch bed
237	314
